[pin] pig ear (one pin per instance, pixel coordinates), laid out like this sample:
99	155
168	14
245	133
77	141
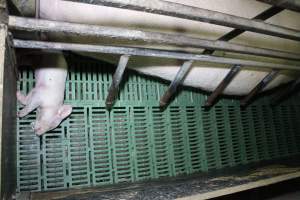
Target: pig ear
64	111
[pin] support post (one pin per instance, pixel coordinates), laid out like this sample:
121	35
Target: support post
259	87
7	109
117	78
222	86
183	71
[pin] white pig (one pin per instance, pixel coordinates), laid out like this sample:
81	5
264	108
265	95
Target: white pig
48	94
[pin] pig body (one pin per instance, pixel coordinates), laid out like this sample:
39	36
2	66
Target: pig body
48	95
203	75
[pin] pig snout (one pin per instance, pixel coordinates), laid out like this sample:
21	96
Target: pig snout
50	118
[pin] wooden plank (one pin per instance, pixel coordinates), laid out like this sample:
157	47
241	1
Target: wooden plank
198	186
244	187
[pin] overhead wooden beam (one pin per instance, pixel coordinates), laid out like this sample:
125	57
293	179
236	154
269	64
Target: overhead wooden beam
181	74
117	78
29	24
198	14
222	86
259	87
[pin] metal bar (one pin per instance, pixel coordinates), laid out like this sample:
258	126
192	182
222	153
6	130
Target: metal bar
198	14
236	32
293	5
146	52
183	71
285	92
29	24
117	78
259	87
225	82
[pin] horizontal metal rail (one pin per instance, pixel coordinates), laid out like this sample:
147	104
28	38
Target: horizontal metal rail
145	52
198	14
29	24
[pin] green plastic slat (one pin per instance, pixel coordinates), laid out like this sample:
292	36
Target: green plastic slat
269	129
249	135
137	140
238	140
101	147
260	137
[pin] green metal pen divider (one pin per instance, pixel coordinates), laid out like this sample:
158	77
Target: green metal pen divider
137	141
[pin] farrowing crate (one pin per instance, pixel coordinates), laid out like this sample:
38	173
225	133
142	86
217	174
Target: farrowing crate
137	141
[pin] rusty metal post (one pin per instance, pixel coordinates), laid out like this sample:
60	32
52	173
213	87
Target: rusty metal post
221	87
183	71
117	78
259	87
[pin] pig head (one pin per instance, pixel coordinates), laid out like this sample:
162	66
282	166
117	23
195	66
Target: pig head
48	94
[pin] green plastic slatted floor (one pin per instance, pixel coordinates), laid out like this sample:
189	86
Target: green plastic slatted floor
137	141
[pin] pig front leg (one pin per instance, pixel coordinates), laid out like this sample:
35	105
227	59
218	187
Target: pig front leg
31	102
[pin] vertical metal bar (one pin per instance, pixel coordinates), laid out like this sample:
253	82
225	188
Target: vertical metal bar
259	87
177	80
285	92
117	78
221	87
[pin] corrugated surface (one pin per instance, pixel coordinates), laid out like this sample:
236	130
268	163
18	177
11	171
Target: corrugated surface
137	141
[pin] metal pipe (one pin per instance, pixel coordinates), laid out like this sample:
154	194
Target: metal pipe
236	32
259	87
293	5
198	14
29	24
28	44
117	78
225	82
183	71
